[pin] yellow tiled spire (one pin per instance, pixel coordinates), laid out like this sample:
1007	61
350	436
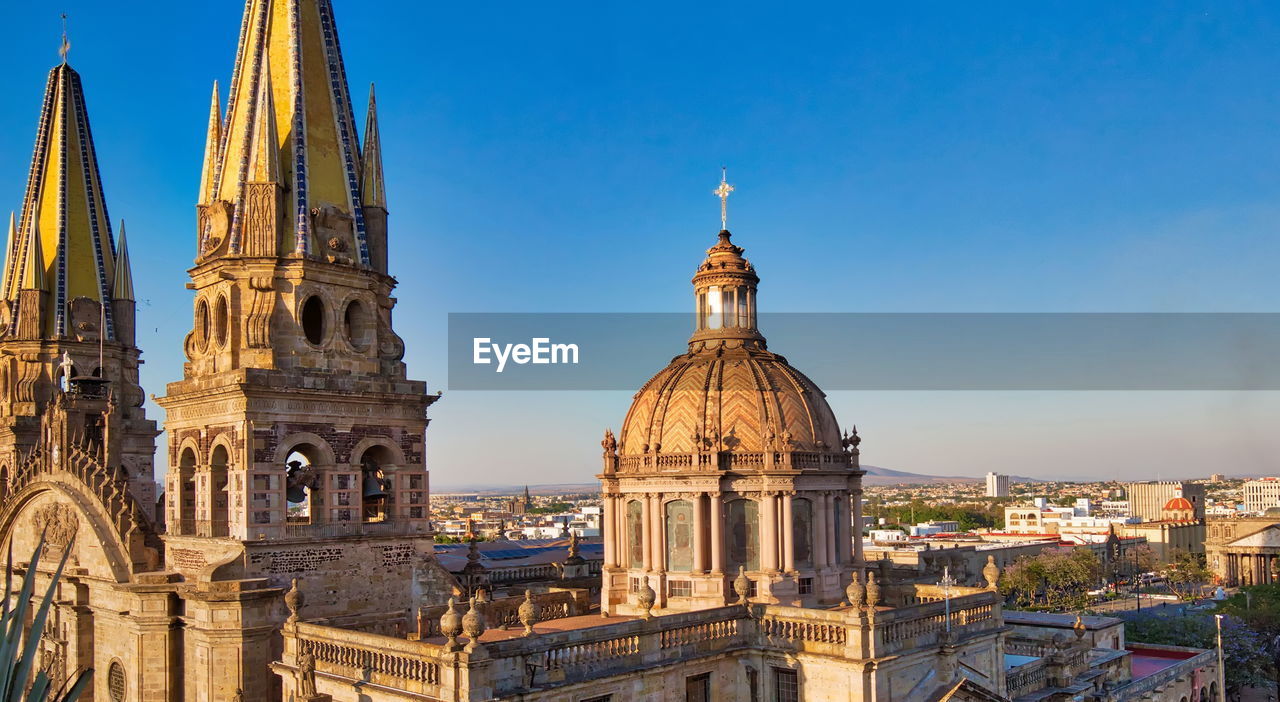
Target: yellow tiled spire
292	47
373	191
68	246
212	143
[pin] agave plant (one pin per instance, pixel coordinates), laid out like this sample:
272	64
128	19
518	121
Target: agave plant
18	650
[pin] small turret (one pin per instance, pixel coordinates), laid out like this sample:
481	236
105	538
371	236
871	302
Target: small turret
122	302
373	194
33	294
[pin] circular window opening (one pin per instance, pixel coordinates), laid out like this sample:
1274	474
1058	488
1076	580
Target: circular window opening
220	319
358	325
116	682
202	323
313	319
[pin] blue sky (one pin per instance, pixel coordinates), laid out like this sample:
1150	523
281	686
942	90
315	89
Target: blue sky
891	157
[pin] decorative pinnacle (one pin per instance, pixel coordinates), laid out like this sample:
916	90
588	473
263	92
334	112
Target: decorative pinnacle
722	192
65	48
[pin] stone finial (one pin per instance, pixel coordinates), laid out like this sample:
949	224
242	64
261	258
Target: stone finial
473	626
856	591
646	598
1079	627
742	585
293	599
574	558
991	572
873	591
528	613
451	624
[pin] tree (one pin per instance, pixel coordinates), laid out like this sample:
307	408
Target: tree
1056	579
1187	575
1258	606
20	644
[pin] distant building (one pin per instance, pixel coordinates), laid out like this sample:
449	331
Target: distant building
1217	478
1147	499
1261	494
997	485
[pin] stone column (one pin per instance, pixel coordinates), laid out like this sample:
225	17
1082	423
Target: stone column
820	520
856	527
717	535
769	533
833	532
646	531
844	542
610	531
789	547
623	538
659	535
699	533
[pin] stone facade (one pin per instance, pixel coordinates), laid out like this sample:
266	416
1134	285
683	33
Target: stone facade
1243	551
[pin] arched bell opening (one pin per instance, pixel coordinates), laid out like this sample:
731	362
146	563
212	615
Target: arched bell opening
186	521
219	491
377	497
302	478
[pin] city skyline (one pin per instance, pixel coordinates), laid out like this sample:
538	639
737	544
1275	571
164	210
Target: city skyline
907	183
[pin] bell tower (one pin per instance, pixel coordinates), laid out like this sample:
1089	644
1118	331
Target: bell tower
296	441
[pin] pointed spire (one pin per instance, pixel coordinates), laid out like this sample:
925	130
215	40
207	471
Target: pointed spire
64	202
372	188
122	288
8	257
33	271
212	143
264	149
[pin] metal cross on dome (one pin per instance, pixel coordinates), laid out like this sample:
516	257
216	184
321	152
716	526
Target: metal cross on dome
723	193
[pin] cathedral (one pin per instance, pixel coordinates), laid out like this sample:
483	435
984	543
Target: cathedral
291	555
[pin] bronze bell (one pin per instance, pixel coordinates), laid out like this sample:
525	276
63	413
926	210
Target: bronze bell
373	487
294	490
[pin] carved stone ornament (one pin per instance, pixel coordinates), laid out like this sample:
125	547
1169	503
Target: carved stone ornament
742	585
58	522
991	572
873	591
646	597
293	599
451	624
307	675
473	626
528	613
856	591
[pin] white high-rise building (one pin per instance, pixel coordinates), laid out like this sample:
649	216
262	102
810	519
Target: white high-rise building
1261	495
997	485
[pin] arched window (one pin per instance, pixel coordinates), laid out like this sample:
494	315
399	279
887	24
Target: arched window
218	513
679	518
802	532
4	480
742	518
376	495
635	533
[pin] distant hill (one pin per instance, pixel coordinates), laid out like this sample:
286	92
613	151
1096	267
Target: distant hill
875	476
887	476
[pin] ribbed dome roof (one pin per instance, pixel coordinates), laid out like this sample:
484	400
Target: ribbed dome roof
1178	504
749	399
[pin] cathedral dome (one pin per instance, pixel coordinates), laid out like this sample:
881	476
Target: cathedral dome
739	399
729	394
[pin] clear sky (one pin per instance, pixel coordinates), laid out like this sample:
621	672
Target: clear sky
926	157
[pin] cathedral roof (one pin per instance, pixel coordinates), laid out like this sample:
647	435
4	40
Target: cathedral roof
63	241
289	120
1178	504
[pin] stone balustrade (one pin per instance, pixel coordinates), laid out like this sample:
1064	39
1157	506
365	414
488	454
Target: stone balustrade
513	664
504	612
1026	678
